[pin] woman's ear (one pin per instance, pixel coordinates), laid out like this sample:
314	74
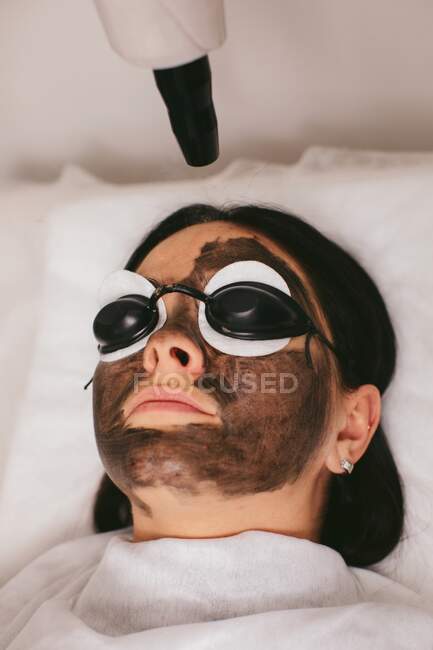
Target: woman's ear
359	419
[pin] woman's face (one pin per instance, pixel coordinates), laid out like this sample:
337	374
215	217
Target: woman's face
263	416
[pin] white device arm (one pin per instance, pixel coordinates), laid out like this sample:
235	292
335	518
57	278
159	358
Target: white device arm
162	33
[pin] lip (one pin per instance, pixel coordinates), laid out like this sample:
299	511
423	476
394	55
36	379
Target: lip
158	398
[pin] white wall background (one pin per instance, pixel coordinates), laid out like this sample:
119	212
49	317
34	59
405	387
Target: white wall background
291	73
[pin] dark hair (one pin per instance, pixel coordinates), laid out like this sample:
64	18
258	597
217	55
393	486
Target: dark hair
364	514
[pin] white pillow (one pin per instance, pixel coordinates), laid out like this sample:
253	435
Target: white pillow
378	206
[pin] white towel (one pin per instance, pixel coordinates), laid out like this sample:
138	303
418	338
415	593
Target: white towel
254	589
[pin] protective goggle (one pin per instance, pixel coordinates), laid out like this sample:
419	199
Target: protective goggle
242	317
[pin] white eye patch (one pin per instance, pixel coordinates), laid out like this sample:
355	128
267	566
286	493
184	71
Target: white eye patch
121	283
250	270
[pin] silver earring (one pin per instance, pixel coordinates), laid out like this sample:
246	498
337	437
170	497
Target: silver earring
346	465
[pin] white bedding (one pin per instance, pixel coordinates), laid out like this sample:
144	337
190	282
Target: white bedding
62	239
259	590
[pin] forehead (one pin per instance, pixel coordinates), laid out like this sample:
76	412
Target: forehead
201	248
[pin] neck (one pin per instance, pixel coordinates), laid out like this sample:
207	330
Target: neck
294	510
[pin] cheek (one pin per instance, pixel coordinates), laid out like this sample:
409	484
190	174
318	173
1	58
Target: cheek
112	383
266	381
261	380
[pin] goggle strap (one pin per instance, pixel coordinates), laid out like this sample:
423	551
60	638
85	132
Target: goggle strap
88	383
324	340
328	343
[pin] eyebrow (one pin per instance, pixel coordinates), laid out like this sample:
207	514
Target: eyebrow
207	274
213	253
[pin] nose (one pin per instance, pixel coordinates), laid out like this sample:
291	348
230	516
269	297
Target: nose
174	348
172	351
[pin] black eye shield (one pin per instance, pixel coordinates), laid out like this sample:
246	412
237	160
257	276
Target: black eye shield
246	310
